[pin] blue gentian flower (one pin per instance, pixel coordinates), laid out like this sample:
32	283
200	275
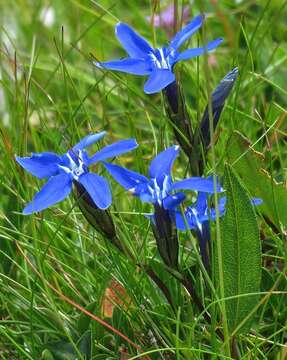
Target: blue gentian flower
156	63
159	188
73	166
197	215
197	218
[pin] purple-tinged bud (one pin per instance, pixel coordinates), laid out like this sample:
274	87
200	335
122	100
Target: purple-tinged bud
166	236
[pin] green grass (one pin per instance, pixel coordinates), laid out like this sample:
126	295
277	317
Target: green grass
53	265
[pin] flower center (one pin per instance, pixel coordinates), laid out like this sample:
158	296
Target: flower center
75	164
160	59
196	218
157	191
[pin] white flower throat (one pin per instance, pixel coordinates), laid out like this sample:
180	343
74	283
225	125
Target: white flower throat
76	166
160	60
159	193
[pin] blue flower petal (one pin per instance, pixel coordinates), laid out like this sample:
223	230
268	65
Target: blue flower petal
89	140
158	80
221	208
135	45
201	203
55	190
127	178
161	165
186	32
256	201
190	53
98	189
197	184
41	165
110	151
186	223
143	193
172	201
221	205
128	65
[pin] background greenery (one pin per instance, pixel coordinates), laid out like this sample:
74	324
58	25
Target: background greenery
50	97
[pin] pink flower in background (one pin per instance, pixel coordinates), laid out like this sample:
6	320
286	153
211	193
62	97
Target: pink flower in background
166	18
212	60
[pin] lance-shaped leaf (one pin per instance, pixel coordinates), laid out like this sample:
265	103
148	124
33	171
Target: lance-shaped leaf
241	254
251	165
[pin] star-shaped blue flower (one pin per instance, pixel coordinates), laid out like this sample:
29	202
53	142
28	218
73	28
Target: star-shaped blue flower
73	166
156	63
196	215
159	188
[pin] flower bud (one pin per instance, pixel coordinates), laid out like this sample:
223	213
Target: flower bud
166	236
100	220
176	109
202	136
218	98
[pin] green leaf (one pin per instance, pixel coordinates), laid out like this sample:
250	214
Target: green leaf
65	350
241	253
85	320
250	165
62	350
47	355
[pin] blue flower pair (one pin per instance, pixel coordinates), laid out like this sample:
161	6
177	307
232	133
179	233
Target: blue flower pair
160	190
156	63
73	166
